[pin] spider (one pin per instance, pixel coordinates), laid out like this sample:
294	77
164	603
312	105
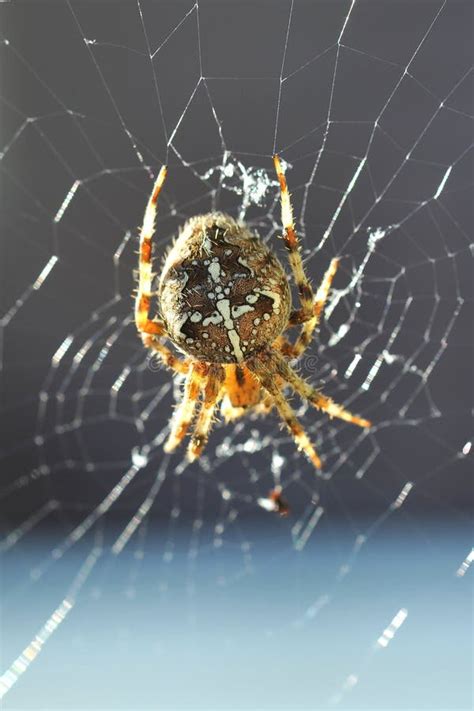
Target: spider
225	303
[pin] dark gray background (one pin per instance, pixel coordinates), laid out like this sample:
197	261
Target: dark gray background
48	70
211	604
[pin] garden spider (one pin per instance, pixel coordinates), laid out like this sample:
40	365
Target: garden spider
225	302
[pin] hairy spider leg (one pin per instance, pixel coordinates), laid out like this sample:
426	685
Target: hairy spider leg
211	397
151	329
312	394
184	412
267	378
166	354
290	239
296	349
143	298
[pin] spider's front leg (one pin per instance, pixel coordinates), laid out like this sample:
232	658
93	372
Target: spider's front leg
296	349
290	239
311	307
150	329
143	299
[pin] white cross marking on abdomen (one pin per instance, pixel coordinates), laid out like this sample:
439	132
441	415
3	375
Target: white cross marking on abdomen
223	306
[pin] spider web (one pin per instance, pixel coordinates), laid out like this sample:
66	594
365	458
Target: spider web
370	106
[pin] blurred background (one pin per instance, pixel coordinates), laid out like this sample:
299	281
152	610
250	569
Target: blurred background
132	579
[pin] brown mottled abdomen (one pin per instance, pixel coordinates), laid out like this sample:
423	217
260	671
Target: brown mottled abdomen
223	294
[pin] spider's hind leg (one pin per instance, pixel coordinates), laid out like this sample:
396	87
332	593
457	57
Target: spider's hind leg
212	391
184	413
313	395
270	384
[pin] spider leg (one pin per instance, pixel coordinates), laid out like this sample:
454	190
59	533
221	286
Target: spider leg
292	245
294	350
212	391
286	412
165	354
316	398
151	330
184	413
143	298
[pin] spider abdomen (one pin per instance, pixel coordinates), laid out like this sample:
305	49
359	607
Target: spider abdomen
223	294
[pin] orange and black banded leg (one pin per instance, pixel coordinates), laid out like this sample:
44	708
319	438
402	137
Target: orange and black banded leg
151	330
184	413
143	298
211	397
312	394
290	239
296	349
165	354
286	412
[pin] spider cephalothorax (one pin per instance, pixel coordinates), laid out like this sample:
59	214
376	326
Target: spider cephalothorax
225	302
223	295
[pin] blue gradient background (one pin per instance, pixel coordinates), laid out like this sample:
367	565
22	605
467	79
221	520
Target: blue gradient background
218	632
